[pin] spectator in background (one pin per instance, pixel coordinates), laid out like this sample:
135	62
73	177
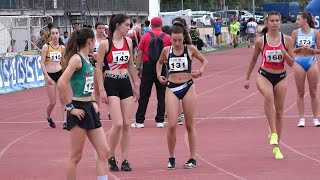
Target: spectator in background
147	27
234	28
76	26
243	29
166	29
148	74
251	31
217	30
194	34
142	29
132	34
137	28
65	37
40	42
48	32
12	47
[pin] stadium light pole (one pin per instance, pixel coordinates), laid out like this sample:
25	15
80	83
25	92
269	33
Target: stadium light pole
254	9
181	4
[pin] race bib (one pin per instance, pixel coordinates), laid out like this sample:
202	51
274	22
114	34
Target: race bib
274	56
55	56
88	87
305	41
178	64
120	57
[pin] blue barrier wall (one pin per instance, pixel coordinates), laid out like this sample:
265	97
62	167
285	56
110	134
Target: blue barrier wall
20	72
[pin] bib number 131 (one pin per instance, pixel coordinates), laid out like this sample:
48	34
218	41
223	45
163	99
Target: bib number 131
178	64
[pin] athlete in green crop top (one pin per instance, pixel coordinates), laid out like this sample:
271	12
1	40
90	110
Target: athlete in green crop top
83	119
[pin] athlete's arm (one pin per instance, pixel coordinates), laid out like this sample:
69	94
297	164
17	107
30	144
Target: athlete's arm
103	48
289	53
317	36
73	65
200	57
294	36
133	72
62	54
163	57
131	69
256	52
44	51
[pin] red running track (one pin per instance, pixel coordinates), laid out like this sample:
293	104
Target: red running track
231	125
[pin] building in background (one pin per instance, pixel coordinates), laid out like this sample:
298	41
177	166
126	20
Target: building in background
67	12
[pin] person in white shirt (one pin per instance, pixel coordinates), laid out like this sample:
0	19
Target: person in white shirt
251	31
65	37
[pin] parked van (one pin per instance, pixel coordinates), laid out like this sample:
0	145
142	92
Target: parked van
167	17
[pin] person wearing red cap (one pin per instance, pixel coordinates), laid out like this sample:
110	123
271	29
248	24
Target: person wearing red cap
148	74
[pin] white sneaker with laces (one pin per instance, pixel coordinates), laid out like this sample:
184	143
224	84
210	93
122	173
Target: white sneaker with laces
137	125
316	122
159	125
302	122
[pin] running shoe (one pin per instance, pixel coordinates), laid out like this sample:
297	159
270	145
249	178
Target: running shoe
113	164
51	123
172	163
125	166
64	125
277	153
274	139
192	163
159	125
316	123
302	122
137	125
180	120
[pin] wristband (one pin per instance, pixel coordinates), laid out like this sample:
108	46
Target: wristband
69	107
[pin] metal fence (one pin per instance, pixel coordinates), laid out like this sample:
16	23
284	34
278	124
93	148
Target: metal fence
75	5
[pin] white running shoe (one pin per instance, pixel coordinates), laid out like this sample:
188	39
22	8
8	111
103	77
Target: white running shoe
302	122
316	122
160	125
137	125
180	120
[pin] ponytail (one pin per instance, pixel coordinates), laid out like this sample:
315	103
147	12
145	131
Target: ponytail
264	30
115	21
76	42
179	28
308	16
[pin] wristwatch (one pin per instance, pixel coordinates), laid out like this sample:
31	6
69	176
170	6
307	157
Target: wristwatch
69	107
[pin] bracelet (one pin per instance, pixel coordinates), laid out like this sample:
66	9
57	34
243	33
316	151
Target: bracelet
94	101
69	107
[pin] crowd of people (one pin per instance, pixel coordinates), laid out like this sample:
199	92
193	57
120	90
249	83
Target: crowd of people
119	66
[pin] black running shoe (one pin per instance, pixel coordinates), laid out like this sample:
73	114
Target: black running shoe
51	123
64	125
192	163
125	166
172	163
113	164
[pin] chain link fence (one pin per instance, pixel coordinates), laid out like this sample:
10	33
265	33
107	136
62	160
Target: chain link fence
22	33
